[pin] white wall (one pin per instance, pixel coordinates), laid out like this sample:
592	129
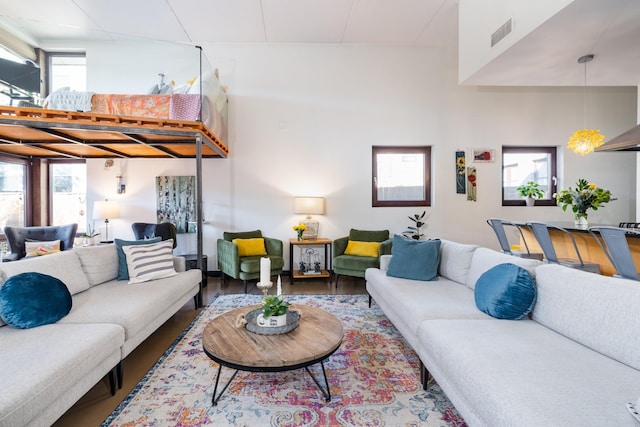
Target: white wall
303	119
479	19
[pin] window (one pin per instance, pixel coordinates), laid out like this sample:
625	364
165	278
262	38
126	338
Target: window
68	180
13	193
19	79
401	176
67	70
523	164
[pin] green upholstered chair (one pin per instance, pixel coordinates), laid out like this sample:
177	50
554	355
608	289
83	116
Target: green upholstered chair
231	264
353	265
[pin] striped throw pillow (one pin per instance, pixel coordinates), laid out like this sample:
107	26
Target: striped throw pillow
149	262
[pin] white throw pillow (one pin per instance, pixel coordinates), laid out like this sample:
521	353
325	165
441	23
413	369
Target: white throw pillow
39	248
150	262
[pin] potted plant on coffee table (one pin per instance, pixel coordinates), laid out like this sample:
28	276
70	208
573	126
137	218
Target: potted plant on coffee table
274	311
530	192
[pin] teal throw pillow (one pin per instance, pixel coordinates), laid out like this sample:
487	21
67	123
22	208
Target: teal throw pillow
414	259
506	291
28	300
123	270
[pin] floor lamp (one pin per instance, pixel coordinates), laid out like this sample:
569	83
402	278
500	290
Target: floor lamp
106	210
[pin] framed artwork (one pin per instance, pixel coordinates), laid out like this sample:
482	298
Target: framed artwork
311	233
461	178
176	201
484	155
473	182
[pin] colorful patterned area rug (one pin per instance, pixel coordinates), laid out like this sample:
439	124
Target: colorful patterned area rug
374	379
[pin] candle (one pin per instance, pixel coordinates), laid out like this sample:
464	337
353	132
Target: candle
265	270
279	288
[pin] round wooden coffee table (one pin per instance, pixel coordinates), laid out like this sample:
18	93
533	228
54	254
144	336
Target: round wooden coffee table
318	335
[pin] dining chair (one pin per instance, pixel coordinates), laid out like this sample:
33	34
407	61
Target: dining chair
497	225
616	248
541	232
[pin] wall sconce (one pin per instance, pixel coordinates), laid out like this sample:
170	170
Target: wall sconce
120	186
309	206
106	210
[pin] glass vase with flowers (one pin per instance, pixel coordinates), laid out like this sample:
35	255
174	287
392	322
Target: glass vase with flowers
585	196
299	228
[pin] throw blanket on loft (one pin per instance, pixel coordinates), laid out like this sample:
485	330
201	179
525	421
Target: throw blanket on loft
69	100
174	107
184	107
152	106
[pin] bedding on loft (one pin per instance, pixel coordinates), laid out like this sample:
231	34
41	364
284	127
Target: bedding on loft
90	125
165	101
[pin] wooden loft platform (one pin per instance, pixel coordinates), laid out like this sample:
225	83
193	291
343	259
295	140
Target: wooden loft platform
40	133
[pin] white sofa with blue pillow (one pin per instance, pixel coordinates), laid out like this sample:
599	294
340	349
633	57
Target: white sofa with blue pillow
47	368
573	360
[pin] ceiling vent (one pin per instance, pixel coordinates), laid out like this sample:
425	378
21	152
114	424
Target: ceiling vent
501	33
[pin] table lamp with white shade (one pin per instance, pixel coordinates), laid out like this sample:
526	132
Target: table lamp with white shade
309	206
106	210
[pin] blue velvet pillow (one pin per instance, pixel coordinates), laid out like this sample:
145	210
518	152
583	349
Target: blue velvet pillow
414	259
506	291
28	300
123	270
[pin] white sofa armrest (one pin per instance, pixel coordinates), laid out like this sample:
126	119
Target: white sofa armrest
179	263
384	262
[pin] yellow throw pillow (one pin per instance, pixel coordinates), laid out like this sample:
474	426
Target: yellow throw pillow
250	247
356	248
41	248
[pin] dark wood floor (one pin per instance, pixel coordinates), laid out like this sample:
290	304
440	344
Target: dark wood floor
97	404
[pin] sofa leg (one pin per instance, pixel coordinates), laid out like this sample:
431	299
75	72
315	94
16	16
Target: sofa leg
370	301
120	373
112	381
337	277
245	286
424	375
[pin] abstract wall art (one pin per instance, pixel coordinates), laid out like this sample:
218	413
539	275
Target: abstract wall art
177	201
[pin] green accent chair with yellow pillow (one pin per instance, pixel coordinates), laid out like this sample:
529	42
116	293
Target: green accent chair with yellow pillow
239	255
360	250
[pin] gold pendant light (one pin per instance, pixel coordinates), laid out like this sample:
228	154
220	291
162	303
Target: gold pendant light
584	141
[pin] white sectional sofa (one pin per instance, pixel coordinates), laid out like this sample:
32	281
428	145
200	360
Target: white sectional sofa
46	369
575	361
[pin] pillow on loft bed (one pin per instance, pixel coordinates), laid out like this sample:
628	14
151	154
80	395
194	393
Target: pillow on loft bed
211	89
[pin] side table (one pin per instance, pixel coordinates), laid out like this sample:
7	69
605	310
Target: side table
192	263
320	241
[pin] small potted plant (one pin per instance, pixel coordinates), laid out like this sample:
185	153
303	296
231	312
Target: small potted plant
89	235
274	311
530	192
415	232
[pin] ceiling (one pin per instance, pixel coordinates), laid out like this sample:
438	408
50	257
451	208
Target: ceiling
547	56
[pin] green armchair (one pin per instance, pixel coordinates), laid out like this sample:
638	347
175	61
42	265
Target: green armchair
354	264
245	268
